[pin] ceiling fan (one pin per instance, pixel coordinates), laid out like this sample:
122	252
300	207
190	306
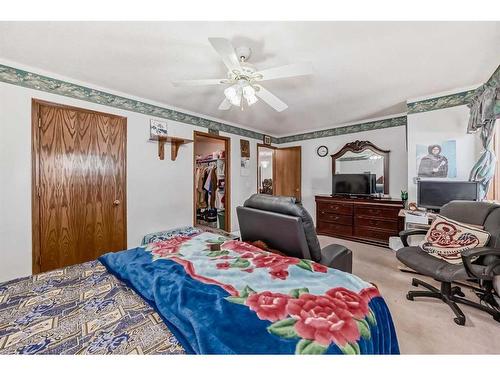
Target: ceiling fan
244	79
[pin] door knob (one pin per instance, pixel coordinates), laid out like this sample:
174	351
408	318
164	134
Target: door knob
116	202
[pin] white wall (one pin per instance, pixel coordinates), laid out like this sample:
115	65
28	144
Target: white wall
159	193
435	127
317	171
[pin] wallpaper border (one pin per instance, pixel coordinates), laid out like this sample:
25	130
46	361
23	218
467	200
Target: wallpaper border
348	129
440	102
40	82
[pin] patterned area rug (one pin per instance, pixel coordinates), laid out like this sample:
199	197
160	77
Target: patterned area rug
81	309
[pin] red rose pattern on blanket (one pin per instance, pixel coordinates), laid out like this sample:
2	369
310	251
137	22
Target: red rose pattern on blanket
339	316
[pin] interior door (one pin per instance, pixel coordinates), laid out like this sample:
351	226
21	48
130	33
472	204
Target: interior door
288	173
80	185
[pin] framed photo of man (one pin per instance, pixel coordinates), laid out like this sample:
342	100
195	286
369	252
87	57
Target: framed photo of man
438	160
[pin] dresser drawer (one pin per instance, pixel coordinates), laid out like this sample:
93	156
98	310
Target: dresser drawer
377	212
372	234
374	223
335	218
338	208
334	229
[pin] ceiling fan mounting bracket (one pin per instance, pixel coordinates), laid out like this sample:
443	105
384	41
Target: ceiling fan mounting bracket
243	53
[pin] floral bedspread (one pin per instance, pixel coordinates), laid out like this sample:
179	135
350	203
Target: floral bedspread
81	309
228	297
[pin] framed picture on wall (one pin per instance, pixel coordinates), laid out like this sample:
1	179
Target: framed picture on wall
245	148
157	128
267	140
438	160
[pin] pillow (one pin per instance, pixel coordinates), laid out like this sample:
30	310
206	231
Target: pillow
447	238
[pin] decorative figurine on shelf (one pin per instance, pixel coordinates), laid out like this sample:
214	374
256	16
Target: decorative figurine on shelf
404	197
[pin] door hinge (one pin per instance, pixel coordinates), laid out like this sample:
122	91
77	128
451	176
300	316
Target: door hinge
39	122
39	191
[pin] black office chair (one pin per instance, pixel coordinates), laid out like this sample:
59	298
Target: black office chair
481	265
285	225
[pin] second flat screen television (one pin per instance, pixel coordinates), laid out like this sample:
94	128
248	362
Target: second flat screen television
353	184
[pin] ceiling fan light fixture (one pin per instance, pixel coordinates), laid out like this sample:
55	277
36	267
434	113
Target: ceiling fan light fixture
233	94
249	94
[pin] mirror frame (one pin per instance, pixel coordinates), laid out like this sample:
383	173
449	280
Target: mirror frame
274	165
358	147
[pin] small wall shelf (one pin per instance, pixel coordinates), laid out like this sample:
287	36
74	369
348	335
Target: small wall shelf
175	143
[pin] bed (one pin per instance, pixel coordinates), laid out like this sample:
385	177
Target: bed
194	292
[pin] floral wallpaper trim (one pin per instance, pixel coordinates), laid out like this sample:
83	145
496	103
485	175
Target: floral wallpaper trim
453	100
43	83
356	128
55	86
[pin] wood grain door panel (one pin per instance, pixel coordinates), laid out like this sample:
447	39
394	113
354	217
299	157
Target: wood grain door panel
288	175
81	192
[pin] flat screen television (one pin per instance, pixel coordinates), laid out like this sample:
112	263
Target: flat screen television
433	194
353	184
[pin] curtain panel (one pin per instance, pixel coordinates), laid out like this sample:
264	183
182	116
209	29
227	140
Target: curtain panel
484	111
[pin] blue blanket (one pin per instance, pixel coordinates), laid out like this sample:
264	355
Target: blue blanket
228	297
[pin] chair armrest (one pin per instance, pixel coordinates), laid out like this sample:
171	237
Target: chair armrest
468	256
479	251
337	256
404	234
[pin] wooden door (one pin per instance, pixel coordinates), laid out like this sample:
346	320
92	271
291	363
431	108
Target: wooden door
79	185
288	175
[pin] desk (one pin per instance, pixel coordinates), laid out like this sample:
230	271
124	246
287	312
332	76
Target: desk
412	221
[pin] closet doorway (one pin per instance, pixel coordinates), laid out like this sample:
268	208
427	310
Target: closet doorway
78	185
279	171
212	199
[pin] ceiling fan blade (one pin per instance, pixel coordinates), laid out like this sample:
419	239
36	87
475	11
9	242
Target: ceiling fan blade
271	99
200	82
226	50
285	71
225	105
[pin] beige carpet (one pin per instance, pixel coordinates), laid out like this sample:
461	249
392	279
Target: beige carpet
423	326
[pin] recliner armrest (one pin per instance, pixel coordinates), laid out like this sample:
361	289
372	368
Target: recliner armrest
337	256
404	234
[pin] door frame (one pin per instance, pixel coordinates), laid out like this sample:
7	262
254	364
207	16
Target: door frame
274	164
227	172
35	173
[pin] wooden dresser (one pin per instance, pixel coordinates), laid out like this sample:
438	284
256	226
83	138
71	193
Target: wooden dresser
370	220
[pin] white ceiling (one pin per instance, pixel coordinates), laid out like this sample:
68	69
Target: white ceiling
362	69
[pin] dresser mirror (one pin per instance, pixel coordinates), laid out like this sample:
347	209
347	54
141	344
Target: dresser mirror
363	157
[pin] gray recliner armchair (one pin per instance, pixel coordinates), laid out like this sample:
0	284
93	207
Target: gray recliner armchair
481	265
286	226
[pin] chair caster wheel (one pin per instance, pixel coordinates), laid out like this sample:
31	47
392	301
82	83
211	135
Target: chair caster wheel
459	321
409	297
414	282
497	317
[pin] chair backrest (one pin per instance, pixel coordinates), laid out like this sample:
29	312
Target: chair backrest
476	213
281	223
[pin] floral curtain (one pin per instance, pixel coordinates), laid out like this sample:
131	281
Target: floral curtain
484	111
